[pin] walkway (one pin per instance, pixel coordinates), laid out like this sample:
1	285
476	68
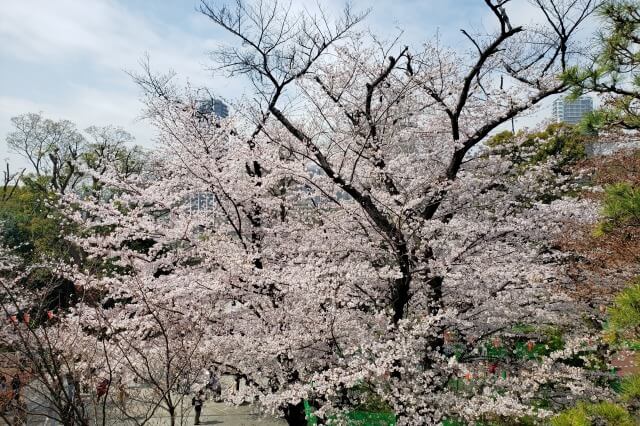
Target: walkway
214	413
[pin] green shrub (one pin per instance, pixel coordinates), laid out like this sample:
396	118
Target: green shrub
624	315
621	207
601	413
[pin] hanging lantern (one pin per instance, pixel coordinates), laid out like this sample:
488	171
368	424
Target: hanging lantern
530	345
50	314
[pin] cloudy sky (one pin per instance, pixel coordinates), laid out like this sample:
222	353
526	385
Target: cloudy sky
68	58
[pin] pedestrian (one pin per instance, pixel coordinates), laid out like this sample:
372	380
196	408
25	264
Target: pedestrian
214	386
4	399
70	387
16	384
70	392
122	394
198	402
102	388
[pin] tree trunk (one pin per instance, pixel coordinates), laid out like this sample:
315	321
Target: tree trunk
172	415
294	415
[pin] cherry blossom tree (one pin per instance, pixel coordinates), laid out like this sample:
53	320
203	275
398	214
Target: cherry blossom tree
149	355
356	243
76	364
36	346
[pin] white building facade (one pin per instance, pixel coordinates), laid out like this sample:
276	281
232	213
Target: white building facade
571	111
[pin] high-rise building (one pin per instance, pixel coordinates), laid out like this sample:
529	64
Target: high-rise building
571	111
213	106
200	202
220	108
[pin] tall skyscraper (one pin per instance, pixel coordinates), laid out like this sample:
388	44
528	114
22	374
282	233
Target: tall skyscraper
571	111
207	111
213	106
220	108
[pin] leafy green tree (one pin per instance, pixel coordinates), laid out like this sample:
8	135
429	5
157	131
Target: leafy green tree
614	70
621	207
53	149
60	155
602	413
30	225
107	147
557	147
562	141
624	315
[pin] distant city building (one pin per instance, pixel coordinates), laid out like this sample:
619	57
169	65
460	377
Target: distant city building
213	106
571	111
202	202
315	170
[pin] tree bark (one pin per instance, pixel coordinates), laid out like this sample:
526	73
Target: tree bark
294	415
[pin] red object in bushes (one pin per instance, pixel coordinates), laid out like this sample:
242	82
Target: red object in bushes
530	345
101	389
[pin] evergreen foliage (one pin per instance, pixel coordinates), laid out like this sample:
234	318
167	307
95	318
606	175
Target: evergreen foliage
601	413
614	71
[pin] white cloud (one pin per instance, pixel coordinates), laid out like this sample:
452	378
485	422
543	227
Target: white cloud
106	39
53	31
104	34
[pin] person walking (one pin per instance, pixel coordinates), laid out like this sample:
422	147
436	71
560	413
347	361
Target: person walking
102	388
198	402
70	391
16	384
70	387
214	386
4	394
122	394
